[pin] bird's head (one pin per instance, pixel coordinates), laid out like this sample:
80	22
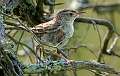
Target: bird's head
68	15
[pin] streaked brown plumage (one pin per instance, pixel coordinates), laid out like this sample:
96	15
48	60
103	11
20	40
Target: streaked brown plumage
57	31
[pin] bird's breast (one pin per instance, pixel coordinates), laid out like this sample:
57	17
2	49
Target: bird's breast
69	30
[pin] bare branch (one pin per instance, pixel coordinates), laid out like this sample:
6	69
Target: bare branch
63	65
102	22
101	8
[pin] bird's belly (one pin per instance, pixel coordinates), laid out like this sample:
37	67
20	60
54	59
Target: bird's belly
53	38
60	37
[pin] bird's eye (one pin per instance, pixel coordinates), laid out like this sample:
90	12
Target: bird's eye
70	14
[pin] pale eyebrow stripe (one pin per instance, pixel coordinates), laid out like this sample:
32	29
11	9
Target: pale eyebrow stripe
68	10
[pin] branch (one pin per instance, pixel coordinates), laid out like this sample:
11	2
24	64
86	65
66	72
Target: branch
54	66
100	8
102	22
107	8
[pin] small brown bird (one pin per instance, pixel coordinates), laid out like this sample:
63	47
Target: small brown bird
59	30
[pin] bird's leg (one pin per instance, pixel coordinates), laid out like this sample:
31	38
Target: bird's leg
56	53
39	53
62	55
59	51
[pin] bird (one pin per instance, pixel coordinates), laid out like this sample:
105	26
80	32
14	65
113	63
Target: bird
58	30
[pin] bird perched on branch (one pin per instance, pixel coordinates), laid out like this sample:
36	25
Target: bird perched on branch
59	30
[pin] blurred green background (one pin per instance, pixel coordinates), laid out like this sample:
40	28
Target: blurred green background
87	35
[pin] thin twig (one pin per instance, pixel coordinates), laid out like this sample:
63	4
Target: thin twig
19	41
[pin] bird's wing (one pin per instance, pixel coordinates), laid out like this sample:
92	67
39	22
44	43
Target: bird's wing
47	27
